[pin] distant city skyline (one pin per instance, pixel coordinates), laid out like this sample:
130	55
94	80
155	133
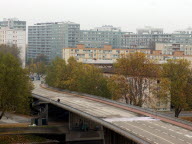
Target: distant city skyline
127	14
93	26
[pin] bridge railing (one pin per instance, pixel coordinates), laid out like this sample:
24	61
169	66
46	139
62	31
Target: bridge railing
146	110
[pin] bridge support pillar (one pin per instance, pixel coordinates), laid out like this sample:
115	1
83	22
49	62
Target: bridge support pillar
46	112
112	137
84	130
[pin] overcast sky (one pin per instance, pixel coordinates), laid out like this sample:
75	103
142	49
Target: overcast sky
127	14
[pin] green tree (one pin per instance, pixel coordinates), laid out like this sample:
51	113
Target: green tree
73	72
76	76
39	68
119	88
179	74
90	80
15	85
14	50
56	73
41	58
37	65
139	73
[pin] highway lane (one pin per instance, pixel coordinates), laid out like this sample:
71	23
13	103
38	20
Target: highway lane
149	129
159	133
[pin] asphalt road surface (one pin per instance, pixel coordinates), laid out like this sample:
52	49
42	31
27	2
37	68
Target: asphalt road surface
149	129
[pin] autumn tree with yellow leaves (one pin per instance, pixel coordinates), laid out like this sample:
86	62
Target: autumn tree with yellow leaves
179	74
139	73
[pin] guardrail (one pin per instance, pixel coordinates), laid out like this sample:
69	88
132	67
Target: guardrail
146	110
95	119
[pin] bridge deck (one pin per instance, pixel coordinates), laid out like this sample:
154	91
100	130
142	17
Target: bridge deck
149	129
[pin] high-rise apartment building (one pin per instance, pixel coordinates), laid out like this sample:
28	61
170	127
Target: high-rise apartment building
13	23
14	37
50	38
100	36
97	39
182	36
13	32
144	38
143	41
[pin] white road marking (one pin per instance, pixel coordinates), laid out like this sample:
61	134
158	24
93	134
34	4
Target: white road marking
157	130
171	130
185	130
148	139
163	127
172	136
189	136
132	119
179	133
151	133
87	105
181	139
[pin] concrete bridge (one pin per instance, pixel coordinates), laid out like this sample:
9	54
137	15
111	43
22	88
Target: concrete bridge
113	122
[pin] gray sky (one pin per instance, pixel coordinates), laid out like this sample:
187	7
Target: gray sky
128	14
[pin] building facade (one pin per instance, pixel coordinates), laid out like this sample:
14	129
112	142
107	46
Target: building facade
109	55
97	39
170	48
13	23
14	37
50	38
149	30
108	35
182	36
144	38
108	28
143	41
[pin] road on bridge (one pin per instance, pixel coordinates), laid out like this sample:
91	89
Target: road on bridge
144	127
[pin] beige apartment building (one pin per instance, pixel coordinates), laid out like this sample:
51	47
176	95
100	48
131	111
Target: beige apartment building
106	53
170	48
109	55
